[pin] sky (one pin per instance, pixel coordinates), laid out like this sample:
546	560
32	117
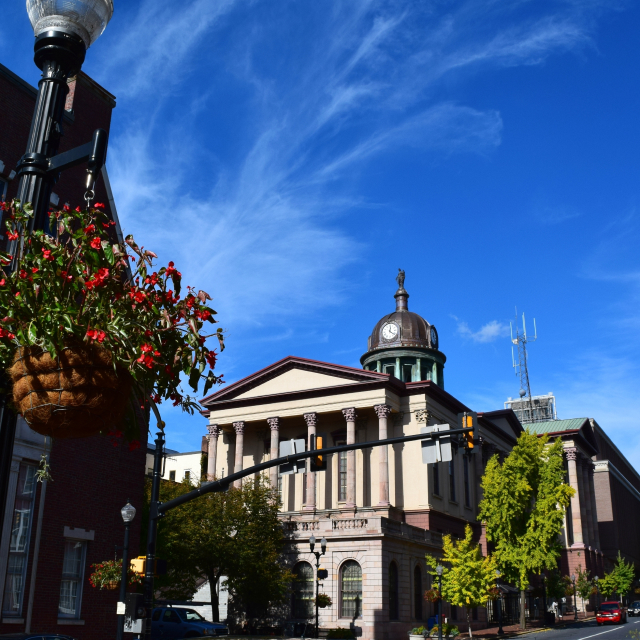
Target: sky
290	156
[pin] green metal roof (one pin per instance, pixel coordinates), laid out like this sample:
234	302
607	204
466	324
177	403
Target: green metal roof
553	426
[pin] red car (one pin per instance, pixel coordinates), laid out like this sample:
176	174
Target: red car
611	612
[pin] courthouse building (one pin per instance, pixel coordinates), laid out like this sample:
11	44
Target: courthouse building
381	510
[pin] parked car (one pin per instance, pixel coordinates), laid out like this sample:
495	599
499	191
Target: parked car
34	636
634	608
173	623
611	612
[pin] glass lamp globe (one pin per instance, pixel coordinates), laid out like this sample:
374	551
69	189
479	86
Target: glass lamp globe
128	512
85	18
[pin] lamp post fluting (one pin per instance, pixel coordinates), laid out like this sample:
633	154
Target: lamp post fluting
575	598
318	555
63	32
500	630
128	513
439	570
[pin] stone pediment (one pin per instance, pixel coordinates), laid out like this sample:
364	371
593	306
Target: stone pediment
290	375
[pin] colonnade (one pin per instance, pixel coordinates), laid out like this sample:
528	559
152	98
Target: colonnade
382	411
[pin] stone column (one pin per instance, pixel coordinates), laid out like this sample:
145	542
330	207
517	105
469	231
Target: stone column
274	426
212	450
239	429
312	420
383	411
350	417
583	502
594	508
585	463
576	517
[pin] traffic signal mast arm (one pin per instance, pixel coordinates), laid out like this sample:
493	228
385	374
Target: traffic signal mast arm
223	484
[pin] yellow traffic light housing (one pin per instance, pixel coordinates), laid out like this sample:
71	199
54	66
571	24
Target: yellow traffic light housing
319	461
468	420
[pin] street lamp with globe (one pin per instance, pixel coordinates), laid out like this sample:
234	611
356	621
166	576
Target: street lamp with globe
439	570
575	598
128	513
64	30
318	555
500	629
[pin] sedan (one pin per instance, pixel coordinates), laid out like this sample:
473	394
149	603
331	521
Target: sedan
634	608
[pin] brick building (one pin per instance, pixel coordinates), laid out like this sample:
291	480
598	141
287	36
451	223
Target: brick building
54	531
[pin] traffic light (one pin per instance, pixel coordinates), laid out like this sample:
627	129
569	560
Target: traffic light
468	420
317	443
139	565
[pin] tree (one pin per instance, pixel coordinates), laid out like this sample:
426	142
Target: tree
618	580
235	534
469	577
584	584
524	503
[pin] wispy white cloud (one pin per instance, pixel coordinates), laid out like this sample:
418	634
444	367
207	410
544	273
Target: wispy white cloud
487	333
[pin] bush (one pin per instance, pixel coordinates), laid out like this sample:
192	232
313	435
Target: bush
419	631
340	634
447	630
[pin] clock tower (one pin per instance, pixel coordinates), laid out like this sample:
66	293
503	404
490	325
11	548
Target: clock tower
404	345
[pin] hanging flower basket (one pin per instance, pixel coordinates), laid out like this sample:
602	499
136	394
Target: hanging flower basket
432	595
108	574
323	600
89	330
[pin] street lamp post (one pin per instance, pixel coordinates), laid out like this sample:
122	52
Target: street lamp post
318	555
500	630
544	598
597	594
63	32
439	570
128	514
575	598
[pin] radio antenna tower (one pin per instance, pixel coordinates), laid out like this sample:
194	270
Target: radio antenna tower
521	366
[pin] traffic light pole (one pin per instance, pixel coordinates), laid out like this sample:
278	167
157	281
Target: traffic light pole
158	509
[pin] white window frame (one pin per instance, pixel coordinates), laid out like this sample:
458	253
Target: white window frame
80	580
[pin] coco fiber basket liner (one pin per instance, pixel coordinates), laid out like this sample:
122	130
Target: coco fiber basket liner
75	395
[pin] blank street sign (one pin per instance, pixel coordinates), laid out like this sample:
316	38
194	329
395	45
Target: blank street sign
438	450
288	448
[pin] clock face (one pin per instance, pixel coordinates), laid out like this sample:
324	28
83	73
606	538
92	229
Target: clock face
434	338
389	331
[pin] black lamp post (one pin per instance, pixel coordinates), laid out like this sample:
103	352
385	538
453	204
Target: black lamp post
64	32
544	598
575	598
318	555
128	514
597	594
439	570
500	630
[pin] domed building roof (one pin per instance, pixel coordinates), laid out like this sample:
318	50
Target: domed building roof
403	328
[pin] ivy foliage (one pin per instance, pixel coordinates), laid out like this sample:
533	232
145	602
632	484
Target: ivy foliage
524	503
468	578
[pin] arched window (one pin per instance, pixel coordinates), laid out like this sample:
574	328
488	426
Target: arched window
303	595
351	590
417	592
393	592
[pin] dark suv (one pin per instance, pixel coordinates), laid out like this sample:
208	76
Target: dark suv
173	623
634	608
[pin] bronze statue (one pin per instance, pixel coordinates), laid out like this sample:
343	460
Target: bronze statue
400	279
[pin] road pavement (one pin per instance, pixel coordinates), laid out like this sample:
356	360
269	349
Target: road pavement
587	631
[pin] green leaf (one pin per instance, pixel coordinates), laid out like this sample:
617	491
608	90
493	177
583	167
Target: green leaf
32	333
194	378
108	252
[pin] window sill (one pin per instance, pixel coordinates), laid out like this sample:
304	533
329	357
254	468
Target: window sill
437	495
466	506
453	502
70	622
12	620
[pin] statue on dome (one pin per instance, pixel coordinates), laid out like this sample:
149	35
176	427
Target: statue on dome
400	279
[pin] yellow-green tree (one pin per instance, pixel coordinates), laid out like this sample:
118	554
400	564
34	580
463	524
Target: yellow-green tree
468	577
524	504
618	580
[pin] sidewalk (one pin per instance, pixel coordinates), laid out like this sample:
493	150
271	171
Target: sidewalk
513	630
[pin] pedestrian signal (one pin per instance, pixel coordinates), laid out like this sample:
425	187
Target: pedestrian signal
317	443
468	420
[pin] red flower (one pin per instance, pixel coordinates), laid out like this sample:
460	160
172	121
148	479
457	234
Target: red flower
134	444
171	270
2	282
98	205
46	254
211	357
66	208
34	270
13	236
95	243
23	274
90	229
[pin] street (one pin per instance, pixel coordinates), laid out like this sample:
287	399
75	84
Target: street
588	630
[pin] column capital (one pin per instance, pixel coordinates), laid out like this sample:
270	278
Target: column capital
382	410
239	427
214	430
349	414
311	419
422	415
571	453
274	423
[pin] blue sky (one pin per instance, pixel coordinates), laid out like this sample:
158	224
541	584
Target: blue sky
291	156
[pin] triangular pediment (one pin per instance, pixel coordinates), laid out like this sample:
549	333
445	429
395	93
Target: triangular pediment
290	375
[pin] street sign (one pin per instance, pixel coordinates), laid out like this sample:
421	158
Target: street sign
438	449
289	448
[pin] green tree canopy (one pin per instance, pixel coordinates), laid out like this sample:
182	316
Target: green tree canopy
524	503
236	534
468	576
618	580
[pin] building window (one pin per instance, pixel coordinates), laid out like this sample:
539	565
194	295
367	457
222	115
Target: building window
342	475
351	590
3	189
407	371
303	595
280	488
19	542
436	478
452	481
390	369
393	592
304	488
172	475
72	574
467	488
187	475
417	592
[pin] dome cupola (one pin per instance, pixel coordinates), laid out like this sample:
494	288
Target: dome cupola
404	344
